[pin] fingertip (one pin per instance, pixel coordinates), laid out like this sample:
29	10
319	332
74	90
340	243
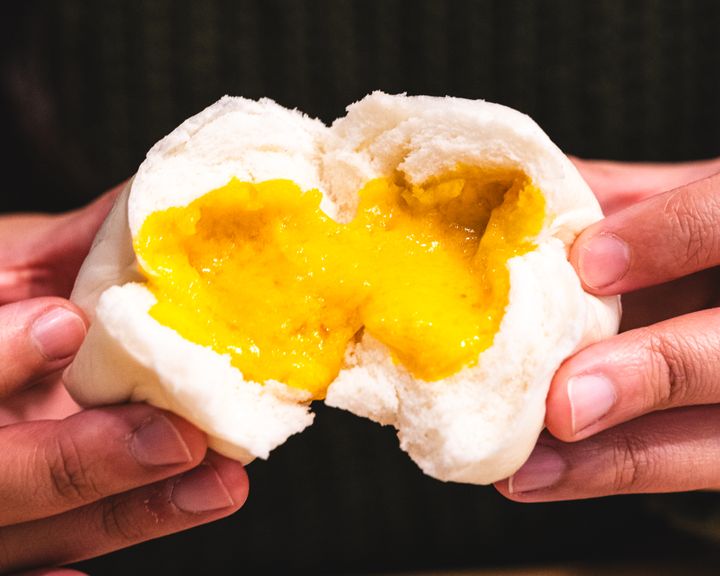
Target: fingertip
25	311
502	487
194	438
583	394
57	333
56	301
216	488
601	259
38	337
233	475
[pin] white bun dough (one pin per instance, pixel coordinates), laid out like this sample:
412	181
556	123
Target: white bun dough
476	426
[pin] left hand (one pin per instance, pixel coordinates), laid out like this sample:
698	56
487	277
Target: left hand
80	483
40	255
638	412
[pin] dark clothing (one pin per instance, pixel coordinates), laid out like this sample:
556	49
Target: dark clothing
88	87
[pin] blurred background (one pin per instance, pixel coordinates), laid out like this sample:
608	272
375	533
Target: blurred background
86	87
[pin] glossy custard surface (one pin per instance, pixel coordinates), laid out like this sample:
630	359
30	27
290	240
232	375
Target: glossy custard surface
259	272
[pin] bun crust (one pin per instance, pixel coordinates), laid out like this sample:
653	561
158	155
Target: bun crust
476	426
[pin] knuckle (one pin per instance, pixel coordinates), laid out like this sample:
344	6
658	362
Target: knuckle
70	478
693	218
117	523
632	465
671	372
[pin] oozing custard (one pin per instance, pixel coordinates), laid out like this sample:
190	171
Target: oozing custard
259	272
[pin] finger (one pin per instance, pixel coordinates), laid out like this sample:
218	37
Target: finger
664	237
670	364
618	185
211	491
37	337
671	451
48	467
41	254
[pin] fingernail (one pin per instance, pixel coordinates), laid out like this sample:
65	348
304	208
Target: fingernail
158	443
201	490
543	469
604	259
591	396
57	334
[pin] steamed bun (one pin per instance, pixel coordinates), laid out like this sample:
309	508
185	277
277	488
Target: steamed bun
475	425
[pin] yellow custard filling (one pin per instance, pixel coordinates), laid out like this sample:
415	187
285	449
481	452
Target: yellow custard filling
259	272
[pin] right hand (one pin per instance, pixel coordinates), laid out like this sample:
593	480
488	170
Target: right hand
79	484
637	412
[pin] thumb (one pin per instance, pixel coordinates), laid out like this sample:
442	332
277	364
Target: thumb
41	254
37	338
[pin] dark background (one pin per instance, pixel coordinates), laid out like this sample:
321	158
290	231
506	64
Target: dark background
87	87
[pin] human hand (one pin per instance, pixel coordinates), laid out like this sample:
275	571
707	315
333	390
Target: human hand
638	412
40	255
78	484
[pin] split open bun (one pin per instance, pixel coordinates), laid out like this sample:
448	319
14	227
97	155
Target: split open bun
478	425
